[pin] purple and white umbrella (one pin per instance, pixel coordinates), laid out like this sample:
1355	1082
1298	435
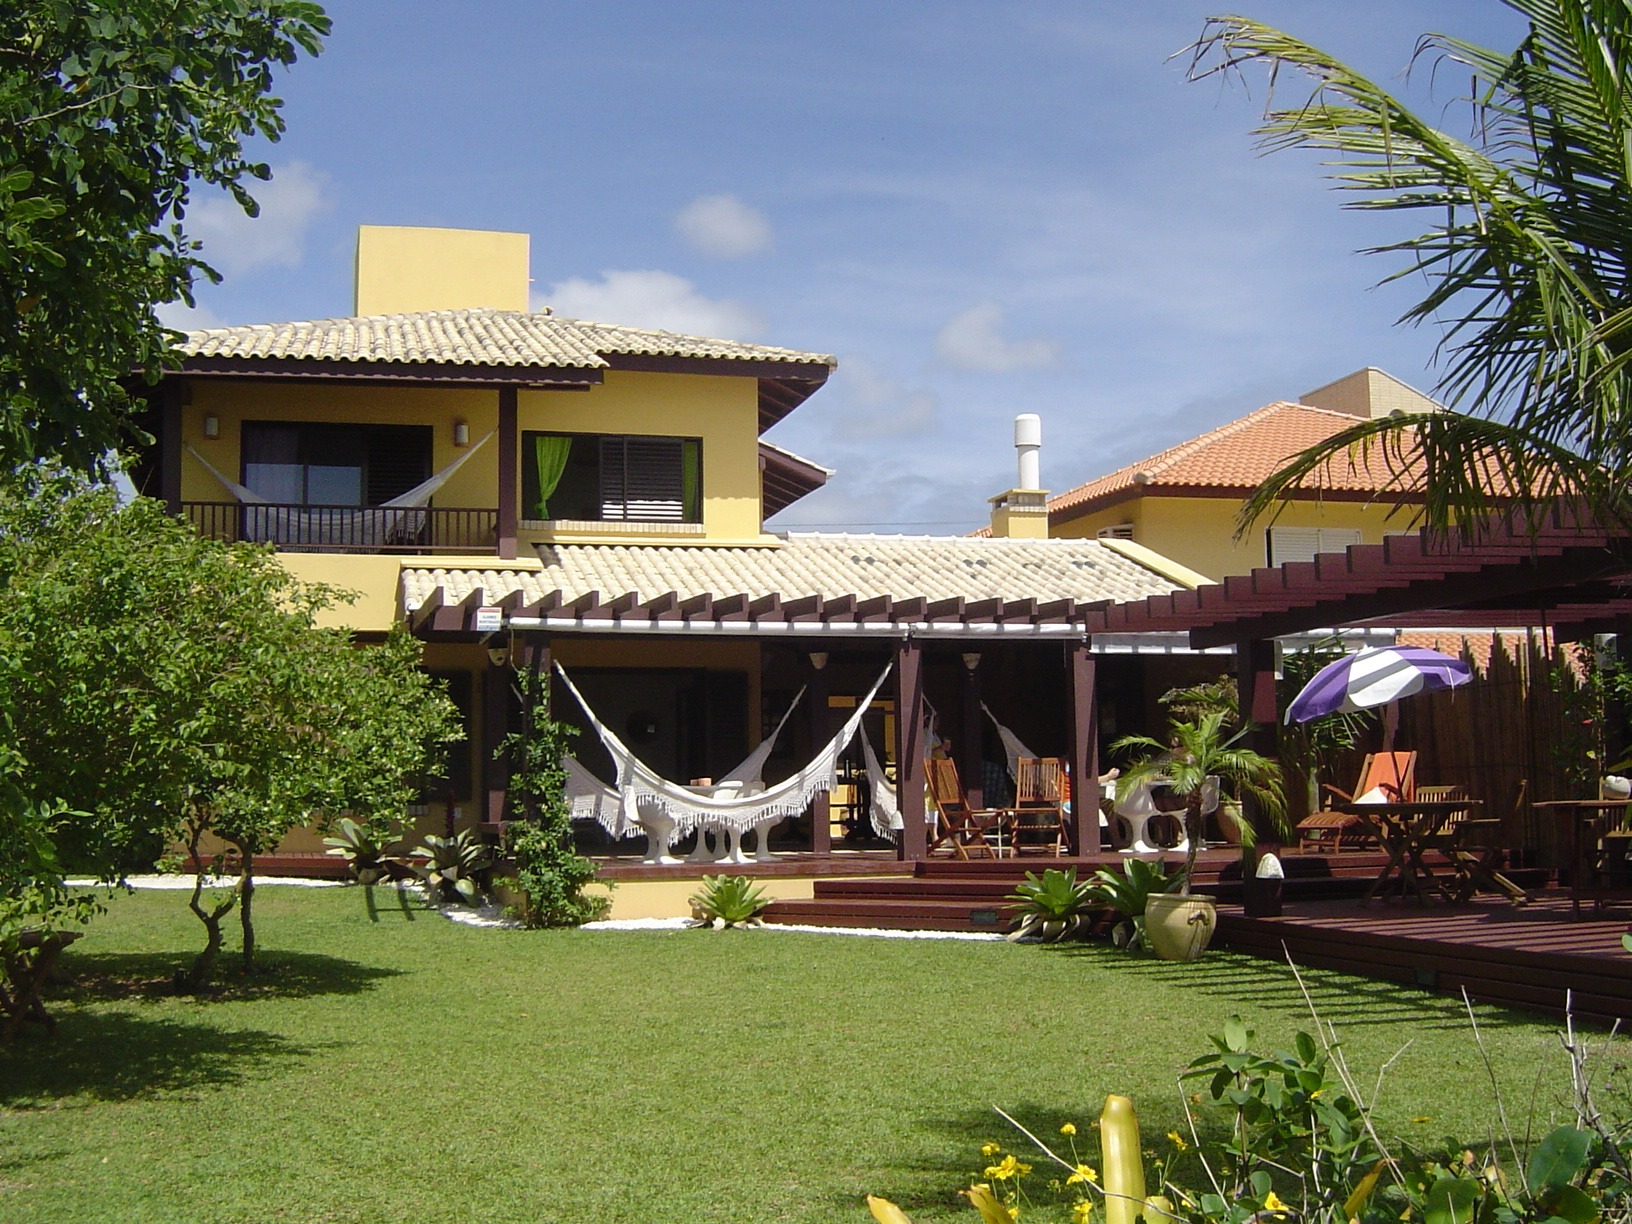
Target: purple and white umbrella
1376	677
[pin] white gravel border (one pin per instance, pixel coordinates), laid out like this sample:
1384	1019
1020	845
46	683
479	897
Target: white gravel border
179	882
493	915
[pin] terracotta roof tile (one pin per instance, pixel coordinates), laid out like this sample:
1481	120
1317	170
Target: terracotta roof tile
1234	458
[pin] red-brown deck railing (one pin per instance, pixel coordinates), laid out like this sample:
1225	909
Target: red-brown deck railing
349	529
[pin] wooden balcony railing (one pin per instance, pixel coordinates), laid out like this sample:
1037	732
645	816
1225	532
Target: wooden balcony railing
348	529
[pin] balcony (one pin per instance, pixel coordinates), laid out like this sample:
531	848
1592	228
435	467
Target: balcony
348	529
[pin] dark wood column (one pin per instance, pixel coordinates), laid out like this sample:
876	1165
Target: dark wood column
170	394
971	760
821	723
509	472
1255	683
1082	672
909	749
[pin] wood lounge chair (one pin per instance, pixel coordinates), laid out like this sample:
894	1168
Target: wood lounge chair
1394	774
969	831
1039	805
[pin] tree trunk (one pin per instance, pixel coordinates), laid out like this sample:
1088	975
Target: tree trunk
1192	837
246	895
195	979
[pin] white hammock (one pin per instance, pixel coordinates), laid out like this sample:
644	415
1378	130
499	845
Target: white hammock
1013	749
592	799
883	804
638	785
398	521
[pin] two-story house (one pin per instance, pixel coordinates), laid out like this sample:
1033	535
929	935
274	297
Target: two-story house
511	484
1184	501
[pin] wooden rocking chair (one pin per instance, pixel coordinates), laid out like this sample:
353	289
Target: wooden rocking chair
1039	804
1392	773
966	829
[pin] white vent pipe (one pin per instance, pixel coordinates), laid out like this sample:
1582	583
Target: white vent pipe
1028	441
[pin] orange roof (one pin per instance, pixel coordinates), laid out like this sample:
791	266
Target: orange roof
1233	459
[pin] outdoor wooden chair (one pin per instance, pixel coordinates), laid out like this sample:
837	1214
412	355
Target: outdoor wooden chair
1394	774
968	831
1039	805
1473	846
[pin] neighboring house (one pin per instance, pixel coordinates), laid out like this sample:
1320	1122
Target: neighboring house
1183	503
495	477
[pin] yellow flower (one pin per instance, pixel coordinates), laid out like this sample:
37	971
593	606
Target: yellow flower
1068	1129
1178	1140
1081	1212
1272	1202
989	1149
1083	1174
1423	1118
1009	1167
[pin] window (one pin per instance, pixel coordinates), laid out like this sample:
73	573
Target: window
1283	544
334	465
630	478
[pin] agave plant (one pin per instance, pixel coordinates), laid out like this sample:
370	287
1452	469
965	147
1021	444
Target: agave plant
449	866
728	901
361	847
1127	892
1051	907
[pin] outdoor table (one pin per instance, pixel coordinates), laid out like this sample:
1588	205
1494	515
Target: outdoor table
1402	828
1599	850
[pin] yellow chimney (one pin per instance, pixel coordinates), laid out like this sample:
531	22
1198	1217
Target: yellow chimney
403	269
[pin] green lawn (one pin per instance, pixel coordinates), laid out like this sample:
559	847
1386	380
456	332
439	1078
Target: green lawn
395	1066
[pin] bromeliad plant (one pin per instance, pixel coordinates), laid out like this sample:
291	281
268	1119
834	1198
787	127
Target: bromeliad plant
1126	892
362	847
1053	907
728	901
450	867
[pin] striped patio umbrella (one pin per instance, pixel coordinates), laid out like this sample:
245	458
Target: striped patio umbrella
1376	677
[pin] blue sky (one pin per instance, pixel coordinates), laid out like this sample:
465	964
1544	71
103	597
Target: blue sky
981	208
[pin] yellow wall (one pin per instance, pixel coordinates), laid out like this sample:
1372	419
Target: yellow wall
401	269
1197	531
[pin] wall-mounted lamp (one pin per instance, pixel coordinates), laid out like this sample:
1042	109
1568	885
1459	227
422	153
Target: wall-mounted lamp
498	651
971	659
461	433
818	659
212	426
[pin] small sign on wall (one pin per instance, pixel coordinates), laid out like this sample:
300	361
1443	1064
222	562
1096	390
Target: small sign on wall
489	620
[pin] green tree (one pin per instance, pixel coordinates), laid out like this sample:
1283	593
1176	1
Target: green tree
110	112
1525	254
168	687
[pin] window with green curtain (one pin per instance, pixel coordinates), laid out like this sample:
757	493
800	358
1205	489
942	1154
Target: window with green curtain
550	453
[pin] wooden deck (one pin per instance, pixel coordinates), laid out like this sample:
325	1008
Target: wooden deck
1527	956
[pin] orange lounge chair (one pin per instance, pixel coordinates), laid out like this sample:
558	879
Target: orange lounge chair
1390	774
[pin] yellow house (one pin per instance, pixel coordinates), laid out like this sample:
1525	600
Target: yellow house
1183	502
516	486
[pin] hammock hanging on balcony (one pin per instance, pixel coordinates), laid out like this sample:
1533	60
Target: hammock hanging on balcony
1013	749
639	785
398	521
592	799
883	804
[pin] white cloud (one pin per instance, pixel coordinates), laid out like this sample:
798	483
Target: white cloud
183	317
652	299
880	406
236	243
724	227
974	340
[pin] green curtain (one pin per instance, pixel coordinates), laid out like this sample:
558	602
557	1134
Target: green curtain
549	461
691	480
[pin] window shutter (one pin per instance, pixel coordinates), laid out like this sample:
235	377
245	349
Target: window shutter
1303	543
641	480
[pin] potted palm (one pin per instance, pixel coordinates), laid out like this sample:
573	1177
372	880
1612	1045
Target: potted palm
1178	925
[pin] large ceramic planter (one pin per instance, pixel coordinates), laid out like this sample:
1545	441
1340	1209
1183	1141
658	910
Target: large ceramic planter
1179	928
